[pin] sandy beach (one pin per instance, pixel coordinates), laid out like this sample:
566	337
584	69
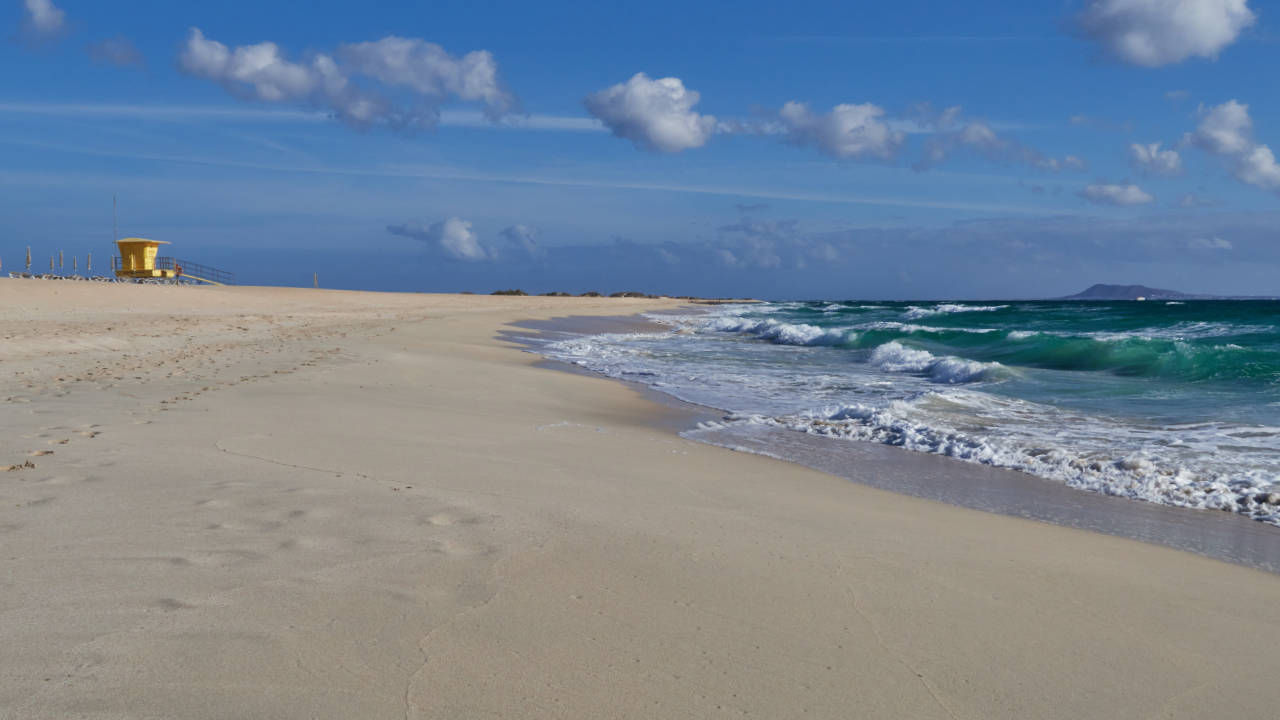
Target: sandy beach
293	503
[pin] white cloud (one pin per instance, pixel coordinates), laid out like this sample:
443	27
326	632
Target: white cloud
453	237
847	132
523	240
263	73
1258	167
1177	96
653	114
981	137
1152	33
1115	195
457	239
43	17
1150	158
1225	129
432	72
1213	243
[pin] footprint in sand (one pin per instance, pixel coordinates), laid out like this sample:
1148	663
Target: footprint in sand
441	520
60	480
446	518
38	453
459	549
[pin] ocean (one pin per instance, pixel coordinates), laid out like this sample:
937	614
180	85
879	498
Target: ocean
1176	403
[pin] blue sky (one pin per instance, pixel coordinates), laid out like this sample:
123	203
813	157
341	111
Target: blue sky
911	149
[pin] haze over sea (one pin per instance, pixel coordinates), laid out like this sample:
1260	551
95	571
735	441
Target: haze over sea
1172	402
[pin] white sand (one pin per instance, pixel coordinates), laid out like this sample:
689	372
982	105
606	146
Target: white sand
268	503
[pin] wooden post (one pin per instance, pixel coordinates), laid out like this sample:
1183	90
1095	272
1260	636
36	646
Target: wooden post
315	280
62	263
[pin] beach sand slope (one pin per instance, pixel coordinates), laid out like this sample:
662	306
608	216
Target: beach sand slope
270	503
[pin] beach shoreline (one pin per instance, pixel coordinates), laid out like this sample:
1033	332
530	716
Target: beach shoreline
1211	533
294	503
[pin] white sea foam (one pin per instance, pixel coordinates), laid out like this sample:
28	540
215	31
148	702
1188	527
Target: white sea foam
907	396
1180	331
1183	331
896	357
914	328
915	313
1136	474
778	332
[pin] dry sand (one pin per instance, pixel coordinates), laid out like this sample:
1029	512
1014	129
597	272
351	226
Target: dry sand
270	503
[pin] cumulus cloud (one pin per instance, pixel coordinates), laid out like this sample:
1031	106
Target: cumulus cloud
1103	194
433	73
522	240
1152	33
1149	158
430	74
116	51
453	238
847	132
1227	130
952	134
43	17
1258	167
654	114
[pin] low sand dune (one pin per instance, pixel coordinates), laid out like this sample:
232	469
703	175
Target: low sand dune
272	503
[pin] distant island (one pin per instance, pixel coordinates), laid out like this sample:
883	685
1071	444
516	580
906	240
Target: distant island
1130	292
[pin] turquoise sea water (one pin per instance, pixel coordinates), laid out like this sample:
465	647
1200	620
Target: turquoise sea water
1169	402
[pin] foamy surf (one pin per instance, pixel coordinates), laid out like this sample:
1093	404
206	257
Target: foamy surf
1177	405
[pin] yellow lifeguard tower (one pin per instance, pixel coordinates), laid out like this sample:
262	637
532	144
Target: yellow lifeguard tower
138	260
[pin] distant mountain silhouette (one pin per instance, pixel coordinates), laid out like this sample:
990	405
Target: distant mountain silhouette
1128	292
